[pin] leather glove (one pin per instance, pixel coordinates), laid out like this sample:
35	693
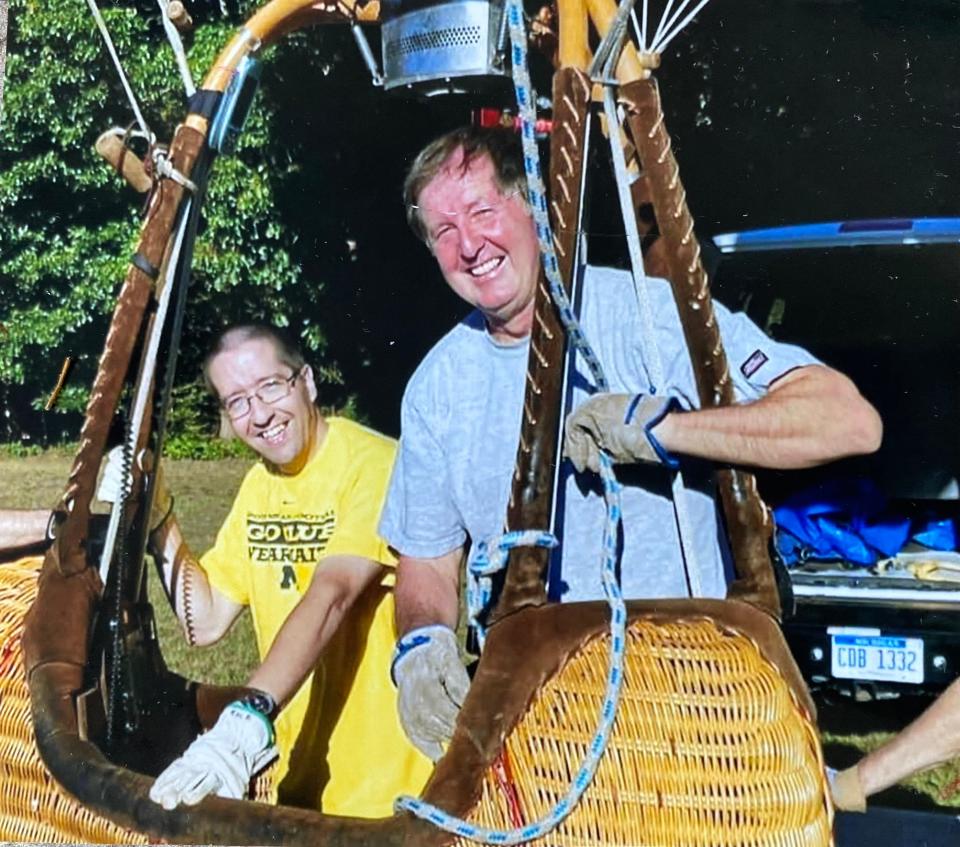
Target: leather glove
846	790
431	686
113	480
619	424
221	761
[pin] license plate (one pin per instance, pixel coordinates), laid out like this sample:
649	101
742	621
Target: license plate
887	658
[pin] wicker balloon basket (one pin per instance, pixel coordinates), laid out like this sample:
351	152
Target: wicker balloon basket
710	747
32	806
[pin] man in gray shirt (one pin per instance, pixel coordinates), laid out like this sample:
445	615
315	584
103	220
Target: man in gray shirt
461	415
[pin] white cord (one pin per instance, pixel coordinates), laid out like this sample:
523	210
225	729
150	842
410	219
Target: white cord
140	401
662	25
661	45
648	345
102	26
176	44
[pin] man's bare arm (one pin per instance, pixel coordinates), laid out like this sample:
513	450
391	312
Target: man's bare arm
428	591
22	527
336	584
810	415
205	614
932	739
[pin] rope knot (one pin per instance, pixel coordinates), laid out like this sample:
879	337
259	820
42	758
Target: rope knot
490	559
164	167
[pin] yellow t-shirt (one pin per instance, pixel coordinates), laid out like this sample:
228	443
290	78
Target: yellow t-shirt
342	749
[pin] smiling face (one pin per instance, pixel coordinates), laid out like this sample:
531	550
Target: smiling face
485	243
285	433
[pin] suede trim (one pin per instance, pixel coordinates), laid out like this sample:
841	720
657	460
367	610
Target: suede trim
73	514
537	454
748	523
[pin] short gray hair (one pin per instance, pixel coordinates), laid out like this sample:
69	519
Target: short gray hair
502	146
287	350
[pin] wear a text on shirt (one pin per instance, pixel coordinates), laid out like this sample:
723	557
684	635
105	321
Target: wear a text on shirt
289	539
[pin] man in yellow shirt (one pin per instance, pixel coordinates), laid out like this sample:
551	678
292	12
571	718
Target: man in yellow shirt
300	548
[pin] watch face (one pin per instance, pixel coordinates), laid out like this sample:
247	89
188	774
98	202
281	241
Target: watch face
261	702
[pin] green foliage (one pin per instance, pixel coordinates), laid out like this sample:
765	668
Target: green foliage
193	412
205	448
68	223
18	450
192	427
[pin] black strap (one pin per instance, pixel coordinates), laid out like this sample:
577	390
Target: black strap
204	102
142	263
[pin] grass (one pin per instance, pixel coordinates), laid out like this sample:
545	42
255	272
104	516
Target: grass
203	492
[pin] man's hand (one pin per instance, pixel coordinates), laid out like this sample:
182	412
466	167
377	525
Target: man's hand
113	480
619	424
431	686
221	761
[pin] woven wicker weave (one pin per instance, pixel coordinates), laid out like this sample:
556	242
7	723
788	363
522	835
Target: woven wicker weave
32	806
710	747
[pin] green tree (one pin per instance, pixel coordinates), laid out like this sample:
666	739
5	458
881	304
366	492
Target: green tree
68	223
3	49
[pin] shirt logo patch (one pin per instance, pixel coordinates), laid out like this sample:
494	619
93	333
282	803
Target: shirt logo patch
299	540
756	361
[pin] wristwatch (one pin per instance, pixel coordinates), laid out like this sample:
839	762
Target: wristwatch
260	702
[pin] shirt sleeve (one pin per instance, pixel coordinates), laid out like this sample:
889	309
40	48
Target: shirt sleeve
755	359
226	562
420	518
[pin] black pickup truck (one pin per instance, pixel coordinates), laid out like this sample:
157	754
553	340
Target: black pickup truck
875	630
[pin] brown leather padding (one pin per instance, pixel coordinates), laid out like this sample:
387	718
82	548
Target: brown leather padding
748	522
523	651
528	648
72	515
121	794
57	625
55	646
537	453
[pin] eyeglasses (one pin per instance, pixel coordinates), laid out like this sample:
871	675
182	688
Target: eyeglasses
270	392
481	214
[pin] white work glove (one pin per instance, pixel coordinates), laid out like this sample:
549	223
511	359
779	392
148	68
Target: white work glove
620	425
222	761
431	686
113	479
846	790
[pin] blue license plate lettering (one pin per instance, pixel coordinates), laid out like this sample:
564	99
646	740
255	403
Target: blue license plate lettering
876	657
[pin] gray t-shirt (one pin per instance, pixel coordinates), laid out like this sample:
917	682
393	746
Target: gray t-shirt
460	425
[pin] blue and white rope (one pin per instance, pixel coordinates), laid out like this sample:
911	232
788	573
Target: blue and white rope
608	710
490	559
536	191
